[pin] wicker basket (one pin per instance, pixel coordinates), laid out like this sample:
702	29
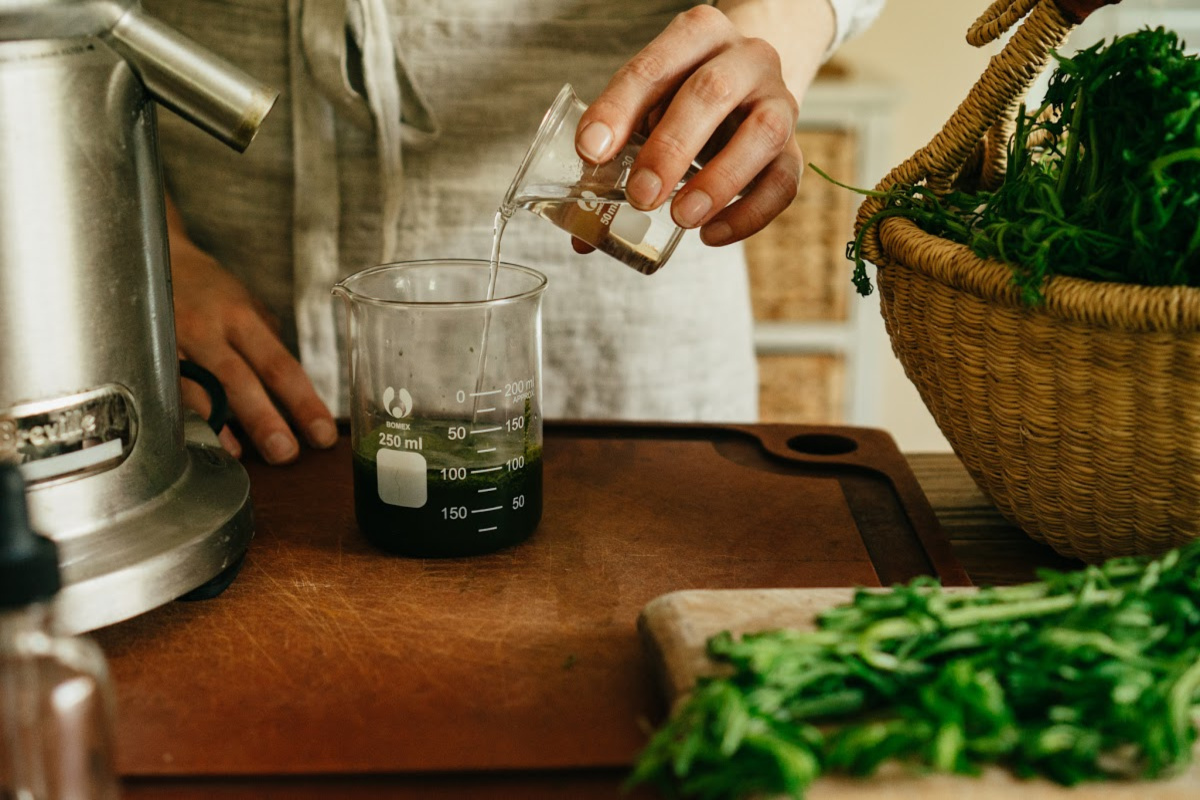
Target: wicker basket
1080	418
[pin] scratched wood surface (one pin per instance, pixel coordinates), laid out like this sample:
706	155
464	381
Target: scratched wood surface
327	656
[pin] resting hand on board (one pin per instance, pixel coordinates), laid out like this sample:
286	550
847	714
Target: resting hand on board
708	88
221	327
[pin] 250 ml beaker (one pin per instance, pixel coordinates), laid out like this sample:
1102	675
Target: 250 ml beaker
588	201
445	405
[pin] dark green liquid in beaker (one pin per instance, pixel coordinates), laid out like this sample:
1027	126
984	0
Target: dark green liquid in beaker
463	515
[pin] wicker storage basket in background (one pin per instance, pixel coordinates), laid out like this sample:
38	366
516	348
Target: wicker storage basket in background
1079	418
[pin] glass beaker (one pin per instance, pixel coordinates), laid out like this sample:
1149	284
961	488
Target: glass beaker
56	702
445	405
589	201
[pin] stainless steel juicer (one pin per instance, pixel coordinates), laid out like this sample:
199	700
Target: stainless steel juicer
144	507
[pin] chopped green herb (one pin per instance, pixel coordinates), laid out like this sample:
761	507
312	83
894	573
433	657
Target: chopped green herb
1083	675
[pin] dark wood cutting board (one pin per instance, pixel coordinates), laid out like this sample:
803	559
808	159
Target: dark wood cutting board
328	656
676	627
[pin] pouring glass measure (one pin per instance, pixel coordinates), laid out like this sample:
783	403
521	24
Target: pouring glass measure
588	201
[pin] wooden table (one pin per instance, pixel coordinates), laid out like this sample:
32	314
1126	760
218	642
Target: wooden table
991	550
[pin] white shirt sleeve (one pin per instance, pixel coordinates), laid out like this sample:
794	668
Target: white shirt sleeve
851	17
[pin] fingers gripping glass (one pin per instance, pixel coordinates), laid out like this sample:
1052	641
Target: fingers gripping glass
589	201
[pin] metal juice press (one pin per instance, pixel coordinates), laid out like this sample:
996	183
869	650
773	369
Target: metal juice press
142	501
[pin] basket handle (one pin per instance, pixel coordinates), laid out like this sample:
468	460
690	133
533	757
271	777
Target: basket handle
974	139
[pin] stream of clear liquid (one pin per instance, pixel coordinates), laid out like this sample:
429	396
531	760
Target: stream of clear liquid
503	213
545	201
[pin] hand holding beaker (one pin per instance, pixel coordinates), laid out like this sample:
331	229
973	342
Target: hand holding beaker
712	95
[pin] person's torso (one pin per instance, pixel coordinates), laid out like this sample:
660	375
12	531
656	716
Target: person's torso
674	345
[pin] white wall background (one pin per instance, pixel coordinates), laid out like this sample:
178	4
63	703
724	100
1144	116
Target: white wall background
918	47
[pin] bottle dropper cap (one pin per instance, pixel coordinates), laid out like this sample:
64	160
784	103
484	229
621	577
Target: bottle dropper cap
28	561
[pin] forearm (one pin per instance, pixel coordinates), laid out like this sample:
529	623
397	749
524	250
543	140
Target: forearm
799	30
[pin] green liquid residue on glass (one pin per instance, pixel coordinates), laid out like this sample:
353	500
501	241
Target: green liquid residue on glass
476	503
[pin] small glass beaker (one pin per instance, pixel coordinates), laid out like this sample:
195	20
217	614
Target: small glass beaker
589	201
445	405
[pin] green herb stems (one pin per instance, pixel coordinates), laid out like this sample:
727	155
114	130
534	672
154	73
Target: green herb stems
1083	675
1102	181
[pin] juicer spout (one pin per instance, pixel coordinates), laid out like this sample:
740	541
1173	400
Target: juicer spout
191	81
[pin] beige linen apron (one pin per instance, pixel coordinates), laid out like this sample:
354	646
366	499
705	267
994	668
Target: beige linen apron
470	80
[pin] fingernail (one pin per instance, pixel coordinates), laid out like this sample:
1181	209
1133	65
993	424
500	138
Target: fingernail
716	233
322	433
691	208
594	140
643	187
230	443
279	448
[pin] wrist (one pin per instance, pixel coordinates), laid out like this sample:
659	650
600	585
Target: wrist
801	31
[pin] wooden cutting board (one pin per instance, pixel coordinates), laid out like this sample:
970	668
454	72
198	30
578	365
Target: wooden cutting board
329	656
675	627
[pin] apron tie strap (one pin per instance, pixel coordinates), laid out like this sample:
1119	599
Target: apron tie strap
321	34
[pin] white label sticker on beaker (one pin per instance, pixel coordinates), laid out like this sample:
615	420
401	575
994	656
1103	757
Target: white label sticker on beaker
630	224
401	478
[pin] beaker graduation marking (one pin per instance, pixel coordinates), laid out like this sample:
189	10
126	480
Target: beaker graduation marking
482	473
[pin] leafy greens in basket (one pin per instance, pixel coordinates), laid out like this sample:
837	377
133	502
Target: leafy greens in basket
1083	675
1102	183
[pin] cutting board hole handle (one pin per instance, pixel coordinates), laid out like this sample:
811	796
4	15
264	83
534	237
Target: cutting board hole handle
822	444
